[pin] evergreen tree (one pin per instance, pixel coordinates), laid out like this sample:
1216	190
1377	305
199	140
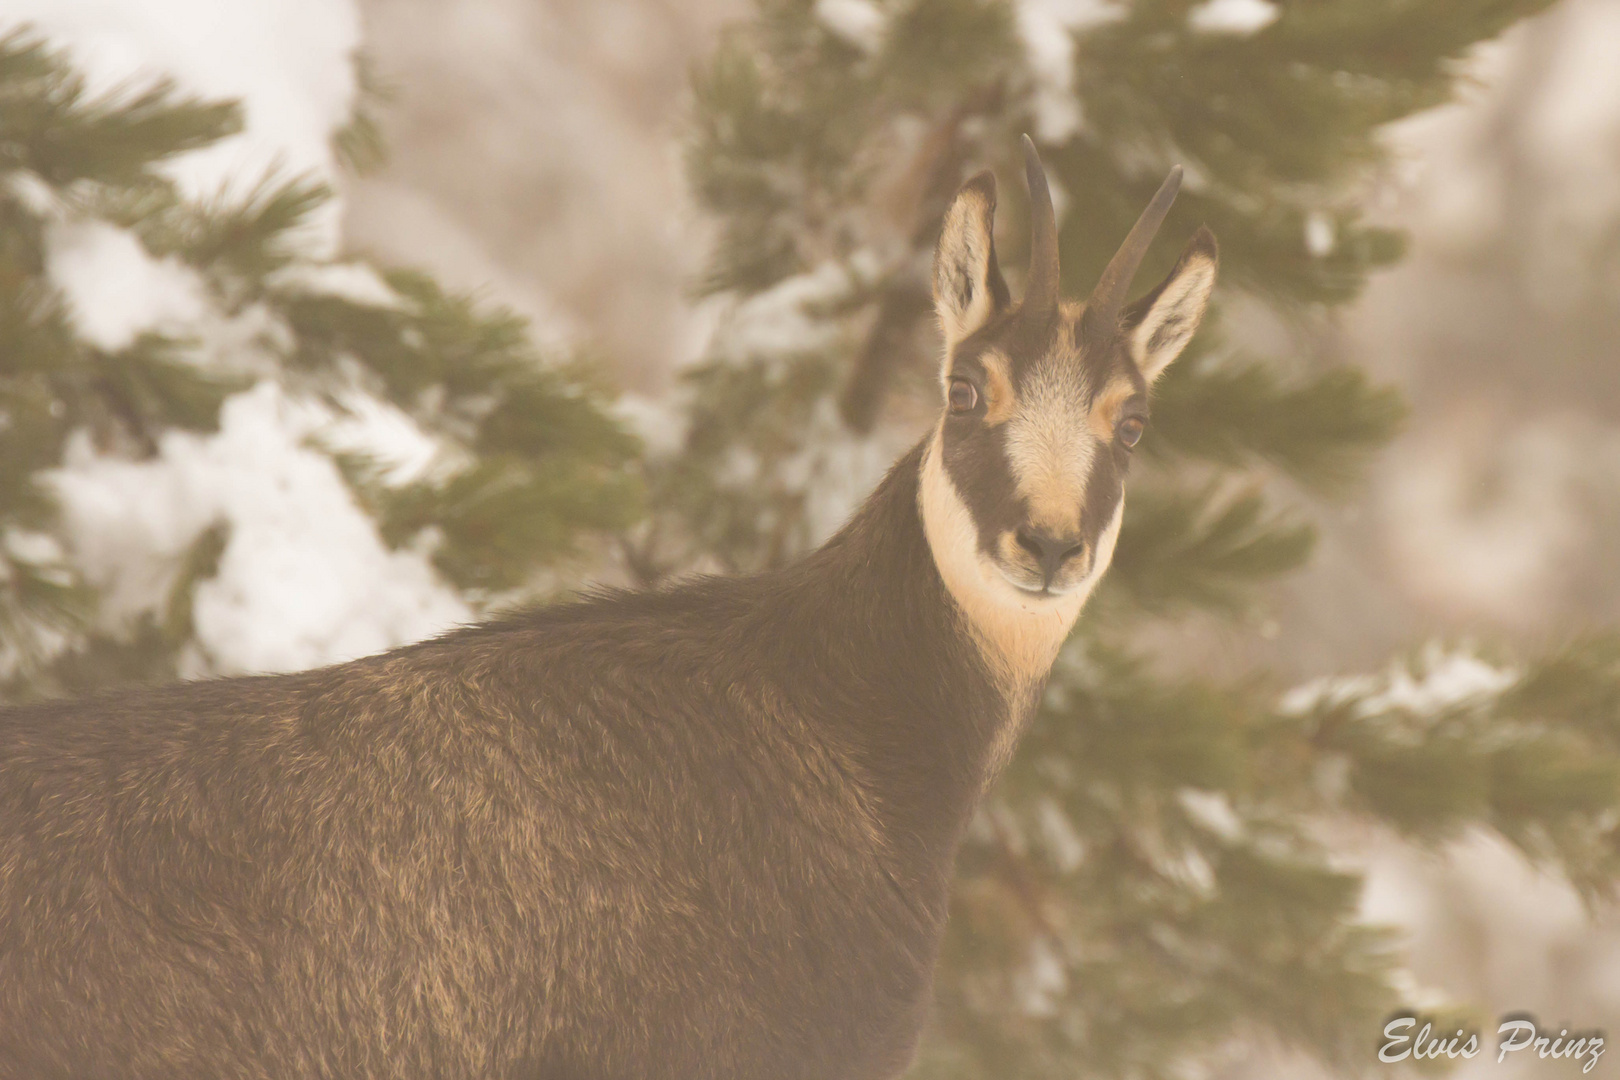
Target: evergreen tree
530	461
1145	888
1146	884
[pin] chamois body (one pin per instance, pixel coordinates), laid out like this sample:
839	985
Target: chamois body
706	831
700	832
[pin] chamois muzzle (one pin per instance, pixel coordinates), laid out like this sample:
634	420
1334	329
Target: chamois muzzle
1050	552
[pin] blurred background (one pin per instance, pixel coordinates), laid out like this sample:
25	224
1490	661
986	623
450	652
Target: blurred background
329	324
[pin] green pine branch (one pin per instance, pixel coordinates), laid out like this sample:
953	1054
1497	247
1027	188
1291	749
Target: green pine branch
1536	761
498	520
1180	550
1319	428
360	145
239	239
50	127
1136	896
535	461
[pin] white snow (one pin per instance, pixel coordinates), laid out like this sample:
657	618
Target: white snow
1212	810
304	580
1417	995
1484	923
832	469
1442	679
37	549
659	422
355	282
1237	17
835	470
1320	235
388	437
1064	844
859	22
1047	28
779	322
287	61
114	289
1041	982
35	195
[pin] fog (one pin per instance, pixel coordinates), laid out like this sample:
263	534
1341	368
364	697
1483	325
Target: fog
536	154
534	157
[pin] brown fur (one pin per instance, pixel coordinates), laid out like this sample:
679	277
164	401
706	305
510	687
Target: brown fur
704	831
700	832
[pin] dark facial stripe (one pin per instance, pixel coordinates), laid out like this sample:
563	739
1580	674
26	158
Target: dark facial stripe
975	451
975	458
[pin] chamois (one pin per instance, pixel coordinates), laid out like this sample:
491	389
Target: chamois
701	831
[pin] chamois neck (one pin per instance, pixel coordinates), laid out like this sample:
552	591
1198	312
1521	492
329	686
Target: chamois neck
932	709
1017	634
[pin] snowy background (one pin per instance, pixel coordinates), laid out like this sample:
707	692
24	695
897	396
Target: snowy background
305	580
535	159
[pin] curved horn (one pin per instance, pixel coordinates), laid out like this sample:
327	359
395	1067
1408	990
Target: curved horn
1041	287
1102	310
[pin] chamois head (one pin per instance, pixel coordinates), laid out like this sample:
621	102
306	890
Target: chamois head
1045	400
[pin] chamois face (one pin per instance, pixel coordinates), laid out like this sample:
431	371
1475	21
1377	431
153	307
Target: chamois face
1045	400
1036	439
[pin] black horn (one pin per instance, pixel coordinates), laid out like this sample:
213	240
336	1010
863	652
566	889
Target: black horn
1102	310
1041	288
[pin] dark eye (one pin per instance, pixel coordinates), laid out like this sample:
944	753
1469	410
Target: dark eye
962	396
1130	430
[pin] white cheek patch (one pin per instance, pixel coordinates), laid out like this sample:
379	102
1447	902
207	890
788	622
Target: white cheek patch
1105	548
1018	633
1050	449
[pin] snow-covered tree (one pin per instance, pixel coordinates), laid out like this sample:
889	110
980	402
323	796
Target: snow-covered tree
226	449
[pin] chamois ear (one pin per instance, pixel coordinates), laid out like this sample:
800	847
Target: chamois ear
968	286
1158	326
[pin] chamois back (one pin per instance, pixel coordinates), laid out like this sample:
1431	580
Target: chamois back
704	831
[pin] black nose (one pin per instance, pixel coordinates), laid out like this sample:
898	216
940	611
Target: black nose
1050	552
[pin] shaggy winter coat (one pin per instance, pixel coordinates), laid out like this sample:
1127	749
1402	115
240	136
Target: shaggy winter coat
703	832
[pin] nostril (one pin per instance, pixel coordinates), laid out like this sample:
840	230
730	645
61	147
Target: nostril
1050	554
1030	544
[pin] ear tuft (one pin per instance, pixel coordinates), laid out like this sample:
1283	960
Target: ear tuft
1158	326
968	286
